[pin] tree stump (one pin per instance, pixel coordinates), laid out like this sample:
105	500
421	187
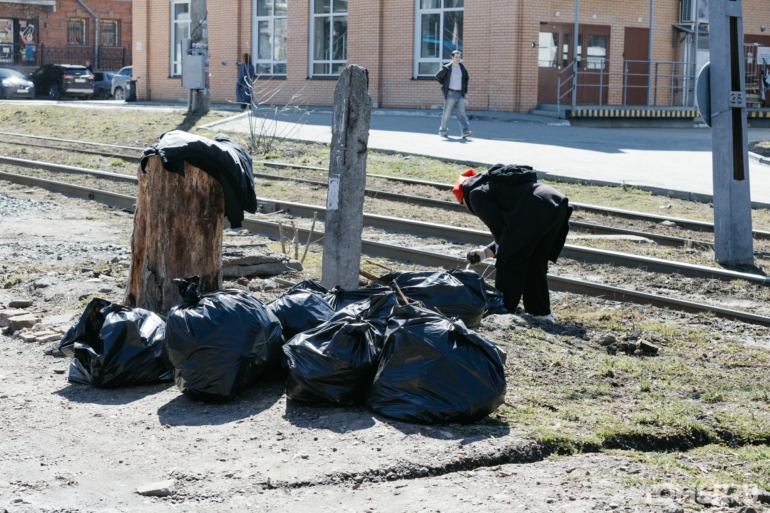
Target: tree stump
344	221
177	233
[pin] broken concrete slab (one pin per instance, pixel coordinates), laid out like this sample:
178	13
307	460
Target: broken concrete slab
5	315
254	259
159	489
23	321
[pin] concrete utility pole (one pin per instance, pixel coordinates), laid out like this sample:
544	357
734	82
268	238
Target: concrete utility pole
200	99
347	179
732	194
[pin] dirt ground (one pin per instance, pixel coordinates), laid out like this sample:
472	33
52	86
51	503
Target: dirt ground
73	448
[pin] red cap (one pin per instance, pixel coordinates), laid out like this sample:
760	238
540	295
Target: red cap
457	190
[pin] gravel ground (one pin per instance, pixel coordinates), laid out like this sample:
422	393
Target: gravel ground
71	448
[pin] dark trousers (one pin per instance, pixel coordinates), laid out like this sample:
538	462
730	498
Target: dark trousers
525	274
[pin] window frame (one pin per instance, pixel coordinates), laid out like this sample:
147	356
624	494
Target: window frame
311	54
117	33
173	62
84	31
418	12
255	60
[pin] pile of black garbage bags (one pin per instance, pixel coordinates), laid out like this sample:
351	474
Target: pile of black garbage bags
402	345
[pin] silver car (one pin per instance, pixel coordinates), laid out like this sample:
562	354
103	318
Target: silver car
120	83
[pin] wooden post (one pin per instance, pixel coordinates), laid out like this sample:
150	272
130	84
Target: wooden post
177	233
347	179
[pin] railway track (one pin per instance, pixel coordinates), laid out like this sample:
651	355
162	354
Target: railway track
688	224
433	259
306	210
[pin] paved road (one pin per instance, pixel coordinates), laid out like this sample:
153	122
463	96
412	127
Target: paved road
676	159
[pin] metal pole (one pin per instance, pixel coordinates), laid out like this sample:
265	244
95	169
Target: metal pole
695	51
575	56
649	50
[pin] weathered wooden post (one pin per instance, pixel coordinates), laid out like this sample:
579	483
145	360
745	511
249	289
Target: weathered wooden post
733	242
347	179
177	233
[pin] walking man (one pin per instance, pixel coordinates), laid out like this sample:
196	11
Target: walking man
454	85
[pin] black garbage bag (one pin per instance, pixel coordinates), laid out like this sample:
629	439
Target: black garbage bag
300	312
376	309
434	370
339	298
114	345
457	293
495	303
308	286
220	342
335	362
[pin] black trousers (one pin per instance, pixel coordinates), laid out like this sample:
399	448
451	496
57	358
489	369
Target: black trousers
525	274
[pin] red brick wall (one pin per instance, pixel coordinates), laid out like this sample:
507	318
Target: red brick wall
52	30
498	48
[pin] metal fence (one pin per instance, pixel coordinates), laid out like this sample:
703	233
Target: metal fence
603	82
23	55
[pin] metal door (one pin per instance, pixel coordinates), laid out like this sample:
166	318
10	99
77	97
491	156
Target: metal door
593	65
554	54
636	65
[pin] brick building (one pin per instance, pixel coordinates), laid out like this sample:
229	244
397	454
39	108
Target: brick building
518	52
35	32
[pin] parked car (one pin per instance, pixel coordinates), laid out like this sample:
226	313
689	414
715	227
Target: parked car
120	83
57	80
103	84
15	85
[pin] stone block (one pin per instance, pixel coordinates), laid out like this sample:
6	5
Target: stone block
159	489
20	303
7	314
23	321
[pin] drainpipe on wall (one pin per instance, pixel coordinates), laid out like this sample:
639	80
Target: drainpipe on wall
96	31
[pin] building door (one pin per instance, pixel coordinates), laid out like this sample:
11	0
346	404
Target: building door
636	65
593	65
554	54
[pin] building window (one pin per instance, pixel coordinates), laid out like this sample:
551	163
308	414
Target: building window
108	33
439	32
270	37
180	30
76	32
329	36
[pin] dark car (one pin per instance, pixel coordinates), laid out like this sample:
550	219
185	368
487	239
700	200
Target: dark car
103	84
121	83
57	80
15	85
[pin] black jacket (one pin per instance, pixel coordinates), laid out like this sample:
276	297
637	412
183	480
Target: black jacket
222	158
515	208
445	73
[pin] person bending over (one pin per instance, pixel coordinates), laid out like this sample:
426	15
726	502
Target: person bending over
529	222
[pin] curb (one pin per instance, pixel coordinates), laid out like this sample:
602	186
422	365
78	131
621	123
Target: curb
759	158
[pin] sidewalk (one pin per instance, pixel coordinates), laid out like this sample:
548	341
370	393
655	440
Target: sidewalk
673	161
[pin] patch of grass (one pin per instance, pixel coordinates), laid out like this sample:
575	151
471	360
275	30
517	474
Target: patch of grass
13	280
713	395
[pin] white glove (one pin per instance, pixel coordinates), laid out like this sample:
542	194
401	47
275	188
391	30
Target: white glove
476	255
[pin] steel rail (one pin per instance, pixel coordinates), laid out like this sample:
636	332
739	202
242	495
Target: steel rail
617	212
479	237
90	143
132	158
303	210
59	168
689	224
409	255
